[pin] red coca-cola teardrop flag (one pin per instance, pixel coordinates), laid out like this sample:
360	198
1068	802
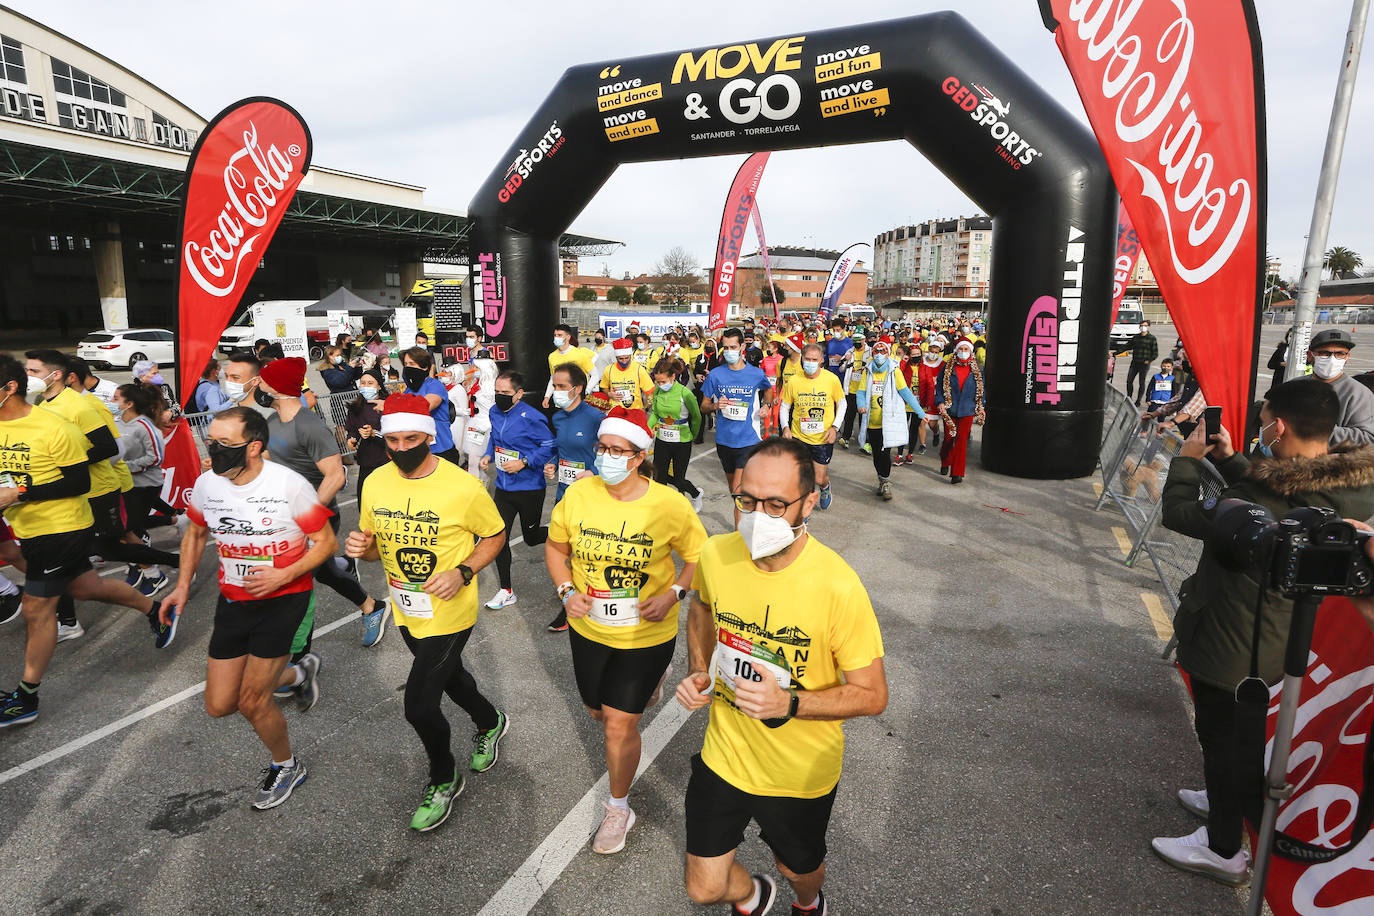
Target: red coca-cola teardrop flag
242	175
1174	92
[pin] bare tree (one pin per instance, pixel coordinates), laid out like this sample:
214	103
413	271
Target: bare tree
678	276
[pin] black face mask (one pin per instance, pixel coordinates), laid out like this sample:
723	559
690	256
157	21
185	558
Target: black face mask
414	377
225	458
263	398
504	402
600	341
409	459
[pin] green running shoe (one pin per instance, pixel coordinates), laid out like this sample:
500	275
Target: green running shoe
434	810
488	745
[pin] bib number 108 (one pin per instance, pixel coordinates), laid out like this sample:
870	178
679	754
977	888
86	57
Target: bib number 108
745	670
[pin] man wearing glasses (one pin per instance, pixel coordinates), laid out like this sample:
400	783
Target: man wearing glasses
1330	350
272	533
780	676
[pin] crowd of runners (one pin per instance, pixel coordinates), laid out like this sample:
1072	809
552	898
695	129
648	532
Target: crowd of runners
782	641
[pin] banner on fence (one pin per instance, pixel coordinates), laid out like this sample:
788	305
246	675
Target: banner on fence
180	465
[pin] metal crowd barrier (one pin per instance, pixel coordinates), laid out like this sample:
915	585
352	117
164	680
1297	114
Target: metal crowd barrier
1135	461
332	408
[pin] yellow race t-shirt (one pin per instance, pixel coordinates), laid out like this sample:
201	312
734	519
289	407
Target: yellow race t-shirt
423	527
688	355
802	625
812	404
875	394
32	451
856	379
787	371
86	417
616	381
580	356
122	472
623	552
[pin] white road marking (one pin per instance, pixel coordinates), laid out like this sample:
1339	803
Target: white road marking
524	889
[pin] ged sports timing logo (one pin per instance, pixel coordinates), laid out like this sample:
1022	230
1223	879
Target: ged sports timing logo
525	161
991	112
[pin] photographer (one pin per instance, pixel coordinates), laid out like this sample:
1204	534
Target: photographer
1216	619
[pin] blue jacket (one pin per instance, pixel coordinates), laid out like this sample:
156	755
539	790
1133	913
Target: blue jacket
524	430
965	396
575	434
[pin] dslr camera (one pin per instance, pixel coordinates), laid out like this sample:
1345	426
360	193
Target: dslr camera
1310	552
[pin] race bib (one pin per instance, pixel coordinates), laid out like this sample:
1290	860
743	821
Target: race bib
1164	386
7	481
476	439
734	410
834	360
236	569
812	427
623	392
568	470
669	432
738	657
505	457
614	607
410	598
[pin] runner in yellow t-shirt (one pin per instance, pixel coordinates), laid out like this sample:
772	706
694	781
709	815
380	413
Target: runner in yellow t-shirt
610	554
624	377
882	381
434	527
813	408
854	379
44	479
566	350
780	676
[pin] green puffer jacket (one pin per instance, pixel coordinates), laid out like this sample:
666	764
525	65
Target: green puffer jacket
1215	622
667	407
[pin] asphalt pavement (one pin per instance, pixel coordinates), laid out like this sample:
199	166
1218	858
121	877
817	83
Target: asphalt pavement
1031	747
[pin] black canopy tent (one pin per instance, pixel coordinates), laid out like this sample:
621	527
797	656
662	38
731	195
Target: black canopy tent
344	300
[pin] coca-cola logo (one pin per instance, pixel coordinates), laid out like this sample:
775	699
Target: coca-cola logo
1205	214
254	182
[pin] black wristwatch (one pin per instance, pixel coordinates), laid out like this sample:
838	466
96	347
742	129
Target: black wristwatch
468	574
792	706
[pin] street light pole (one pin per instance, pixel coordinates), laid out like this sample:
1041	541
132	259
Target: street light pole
1305	309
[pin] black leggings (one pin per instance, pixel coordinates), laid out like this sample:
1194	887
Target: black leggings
851	411
678	454
438	670
910	436
138	508
882	458
529	505
328	573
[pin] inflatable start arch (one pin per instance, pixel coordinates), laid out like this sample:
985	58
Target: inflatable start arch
933	80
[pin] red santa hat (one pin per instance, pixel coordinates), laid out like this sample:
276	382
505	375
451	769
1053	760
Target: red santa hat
285	376
407	413
796	342
623	345
962	341
628	423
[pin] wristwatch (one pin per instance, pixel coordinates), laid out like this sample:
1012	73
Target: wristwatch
468	574
679	591
792	706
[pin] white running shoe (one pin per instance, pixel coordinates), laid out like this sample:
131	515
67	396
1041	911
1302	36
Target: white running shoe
504	598
1191	853
64	632
696	502
610	836
1195	802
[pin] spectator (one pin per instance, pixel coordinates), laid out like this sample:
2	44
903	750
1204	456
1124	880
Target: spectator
1162	384
208	397
338	375
363	425
1330	350
1144	351
1279	359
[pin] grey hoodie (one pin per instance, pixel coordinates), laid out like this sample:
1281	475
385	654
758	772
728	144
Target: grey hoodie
1356	423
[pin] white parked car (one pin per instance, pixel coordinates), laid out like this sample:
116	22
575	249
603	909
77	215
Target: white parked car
124	348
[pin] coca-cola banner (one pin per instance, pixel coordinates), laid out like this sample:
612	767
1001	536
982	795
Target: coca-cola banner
180	465
734	223
839	276
1327	768
242	175
1174	92
1127	255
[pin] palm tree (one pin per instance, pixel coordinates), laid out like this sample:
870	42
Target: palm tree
1340	260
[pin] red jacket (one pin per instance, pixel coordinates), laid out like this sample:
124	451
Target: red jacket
925	388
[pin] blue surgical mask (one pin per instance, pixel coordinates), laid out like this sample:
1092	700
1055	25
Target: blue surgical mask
559	342
1267	450
880	363
368	392
561	399
666	386
810	366
612	469
731	356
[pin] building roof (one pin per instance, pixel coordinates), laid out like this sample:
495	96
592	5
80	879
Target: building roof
786	262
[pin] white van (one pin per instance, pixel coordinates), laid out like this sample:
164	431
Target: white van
240	334
1128	319
864	314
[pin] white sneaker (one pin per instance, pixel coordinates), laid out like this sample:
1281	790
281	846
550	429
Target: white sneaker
696	502
1190	853
657	696
610	836
65	632
504	598
1195	802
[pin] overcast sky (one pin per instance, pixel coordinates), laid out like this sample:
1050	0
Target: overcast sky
432	94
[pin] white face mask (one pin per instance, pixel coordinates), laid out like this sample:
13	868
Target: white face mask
963	355
560	342
933	359
561	399
766	536
37	387
472	342
1328	367
233	389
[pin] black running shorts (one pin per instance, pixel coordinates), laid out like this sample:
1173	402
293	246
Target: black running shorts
622	679
263	628
733	459
717	813
54	560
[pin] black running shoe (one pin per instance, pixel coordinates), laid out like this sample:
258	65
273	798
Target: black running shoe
817	909
560	623
10	606
768	892
163	633
18	708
